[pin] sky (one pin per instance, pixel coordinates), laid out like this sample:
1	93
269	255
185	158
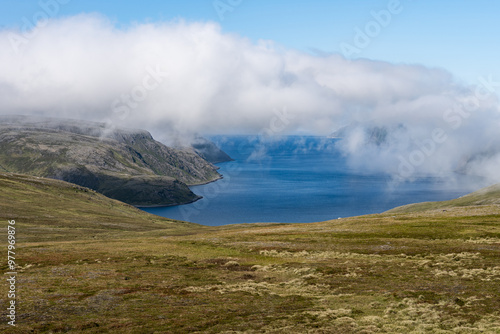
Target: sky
460	36
416	82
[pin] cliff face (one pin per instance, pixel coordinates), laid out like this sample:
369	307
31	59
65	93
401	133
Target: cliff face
128	165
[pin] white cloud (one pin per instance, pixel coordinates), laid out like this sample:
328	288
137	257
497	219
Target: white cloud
210	82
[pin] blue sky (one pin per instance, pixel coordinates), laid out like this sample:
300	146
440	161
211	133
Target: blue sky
461	36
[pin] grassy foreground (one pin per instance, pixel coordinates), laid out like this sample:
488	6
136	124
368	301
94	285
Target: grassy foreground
88	264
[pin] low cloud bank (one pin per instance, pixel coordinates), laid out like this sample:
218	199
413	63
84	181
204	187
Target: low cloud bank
179	78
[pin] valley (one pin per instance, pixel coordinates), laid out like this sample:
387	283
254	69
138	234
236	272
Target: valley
88	264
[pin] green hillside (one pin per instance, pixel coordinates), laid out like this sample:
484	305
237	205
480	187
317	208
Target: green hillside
483	197
49	209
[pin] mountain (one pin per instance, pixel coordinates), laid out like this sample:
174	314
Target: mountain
209	151
124	164
374	134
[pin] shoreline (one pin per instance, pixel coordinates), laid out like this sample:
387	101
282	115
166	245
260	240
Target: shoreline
204	183
184	203
167	205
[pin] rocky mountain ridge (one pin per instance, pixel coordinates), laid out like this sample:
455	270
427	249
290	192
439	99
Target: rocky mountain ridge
124	164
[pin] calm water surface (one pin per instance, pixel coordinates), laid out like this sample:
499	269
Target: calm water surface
302	179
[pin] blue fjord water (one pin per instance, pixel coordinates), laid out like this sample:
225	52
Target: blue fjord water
301	179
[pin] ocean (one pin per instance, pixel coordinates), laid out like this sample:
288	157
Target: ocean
299	179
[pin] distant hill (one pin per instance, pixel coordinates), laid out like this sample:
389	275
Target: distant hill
486	196
124	164
209	151
374	134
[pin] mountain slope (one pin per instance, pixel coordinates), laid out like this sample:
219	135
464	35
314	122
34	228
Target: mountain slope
128	165
56	210
484	197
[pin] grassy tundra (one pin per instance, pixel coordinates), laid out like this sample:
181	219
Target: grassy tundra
88	264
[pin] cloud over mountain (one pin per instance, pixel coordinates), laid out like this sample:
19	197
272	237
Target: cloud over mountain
189	77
